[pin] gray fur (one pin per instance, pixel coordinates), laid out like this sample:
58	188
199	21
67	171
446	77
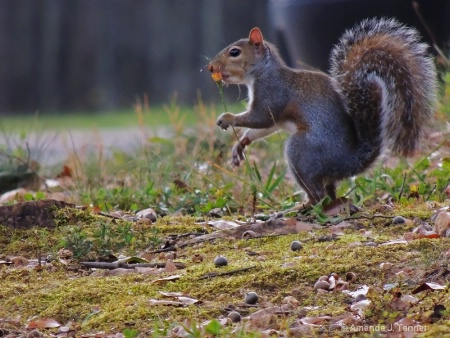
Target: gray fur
374	99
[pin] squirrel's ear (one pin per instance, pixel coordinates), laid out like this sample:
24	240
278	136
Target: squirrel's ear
256	37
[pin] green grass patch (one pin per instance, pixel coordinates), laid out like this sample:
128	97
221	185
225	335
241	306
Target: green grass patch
138	116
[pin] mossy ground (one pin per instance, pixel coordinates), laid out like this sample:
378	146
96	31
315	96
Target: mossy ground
113	303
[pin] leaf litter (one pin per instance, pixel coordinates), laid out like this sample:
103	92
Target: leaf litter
347	303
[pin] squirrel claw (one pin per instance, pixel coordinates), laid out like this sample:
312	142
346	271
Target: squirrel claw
222	125
225	120
238	154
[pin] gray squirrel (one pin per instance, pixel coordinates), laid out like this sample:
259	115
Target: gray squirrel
380	93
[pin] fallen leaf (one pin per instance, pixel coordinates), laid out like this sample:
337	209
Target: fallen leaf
180	297
428	234
263	319
409	299
167	279
360	306
406	328
303	227
336	231
65	172
409	236
428	286
397	241
315	321
223	225
188	300
390	286
338	206
442	223
154	302
148	271
170	266
45	323
399	305
149	214
171	294
19	261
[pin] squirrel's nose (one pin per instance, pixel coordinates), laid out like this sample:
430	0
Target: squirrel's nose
211	68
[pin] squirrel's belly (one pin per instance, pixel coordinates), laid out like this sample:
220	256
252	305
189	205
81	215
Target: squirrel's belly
288	126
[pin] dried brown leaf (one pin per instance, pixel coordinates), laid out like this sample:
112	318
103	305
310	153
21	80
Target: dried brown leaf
171	294
44	323
315	321
170	266
167	279
428	286
223	225
397	241
338	206
154	302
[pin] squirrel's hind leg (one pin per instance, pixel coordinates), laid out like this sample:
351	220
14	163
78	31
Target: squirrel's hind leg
330	188
308	173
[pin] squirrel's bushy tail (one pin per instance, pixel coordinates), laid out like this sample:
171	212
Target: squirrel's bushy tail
389	82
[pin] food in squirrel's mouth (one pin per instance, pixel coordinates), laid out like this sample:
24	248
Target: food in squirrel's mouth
217	77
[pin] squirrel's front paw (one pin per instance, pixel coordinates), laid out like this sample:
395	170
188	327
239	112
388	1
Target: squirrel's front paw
225	120
238	154
238	151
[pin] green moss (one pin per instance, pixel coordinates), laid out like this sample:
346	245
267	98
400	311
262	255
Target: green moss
113	303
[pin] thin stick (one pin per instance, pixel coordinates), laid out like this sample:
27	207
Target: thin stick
217	274
116	265
431	192
401	188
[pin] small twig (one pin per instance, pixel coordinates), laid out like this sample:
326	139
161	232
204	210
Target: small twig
116	265
401	188
28	154
415	5
431	192
101	213
351	190
168	249
361	217
254	201
218	274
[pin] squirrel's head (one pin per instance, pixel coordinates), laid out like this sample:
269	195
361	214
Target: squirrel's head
234	63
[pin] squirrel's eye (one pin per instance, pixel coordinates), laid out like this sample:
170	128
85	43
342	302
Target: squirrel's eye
235	52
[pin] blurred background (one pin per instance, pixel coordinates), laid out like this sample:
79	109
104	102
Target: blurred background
60	56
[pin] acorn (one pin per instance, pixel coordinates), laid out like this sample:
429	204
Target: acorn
296	246
249	234
251	298
234	316
197	258
398	220
350	277
220	261
322	285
